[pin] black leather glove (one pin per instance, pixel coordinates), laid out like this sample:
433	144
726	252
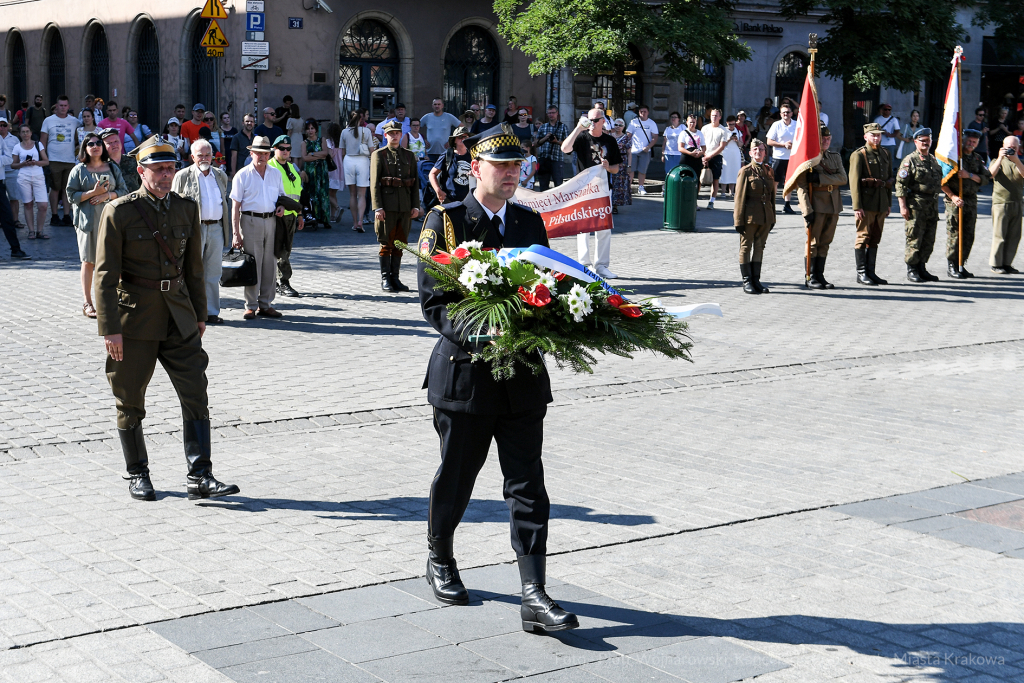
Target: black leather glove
740	228
809	219
813	177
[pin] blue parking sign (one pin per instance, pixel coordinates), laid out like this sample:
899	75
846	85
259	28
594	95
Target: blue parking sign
255	21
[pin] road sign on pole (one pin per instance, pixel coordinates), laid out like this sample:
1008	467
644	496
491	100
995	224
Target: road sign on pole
255	21
214	52
254	5
256	63
213	9
259	49
214	36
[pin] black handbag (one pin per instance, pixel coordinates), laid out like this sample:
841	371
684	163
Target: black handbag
239	269
331	166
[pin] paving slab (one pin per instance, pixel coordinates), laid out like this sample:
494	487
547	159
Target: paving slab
217	629
315	666
375	602
437	666
368	640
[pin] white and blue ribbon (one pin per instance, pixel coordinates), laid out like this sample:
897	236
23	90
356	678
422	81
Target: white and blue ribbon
546	257
692	309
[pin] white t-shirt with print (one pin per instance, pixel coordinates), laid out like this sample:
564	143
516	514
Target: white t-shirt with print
524	171
643	132
780	132
714	136
60	145
690	140
672	140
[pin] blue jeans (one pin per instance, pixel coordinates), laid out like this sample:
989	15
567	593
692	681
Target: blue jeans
671	161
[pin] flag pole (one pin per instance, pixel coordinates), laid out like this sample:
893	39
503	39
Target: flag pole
812	49
960	164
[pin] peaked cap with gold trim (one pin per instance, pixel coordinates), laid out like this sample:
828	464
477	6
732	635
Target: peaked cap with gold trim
496	144
154	150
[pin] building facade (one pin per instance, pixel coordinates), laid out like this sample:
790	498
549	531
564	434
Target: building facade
364	54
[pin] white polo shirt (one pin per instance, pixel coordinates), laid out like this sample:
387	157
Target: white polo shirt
255	193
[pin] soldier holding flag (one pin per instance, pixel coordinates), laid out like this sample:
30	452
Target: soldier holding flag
962	197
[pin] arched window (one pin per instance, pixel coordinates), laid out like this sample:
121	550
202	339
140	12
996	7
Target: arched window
368	70
55	66
471	66
99	64
698	97
790	76
19	74
147	76
621	86
204	72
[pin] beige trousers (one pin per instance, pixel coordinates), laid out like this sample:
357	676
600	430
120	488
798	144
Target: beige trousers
258	240
1006	222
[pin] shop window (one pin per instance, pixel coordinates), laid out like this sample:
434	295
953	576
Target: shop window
368	70
471	66
203	88
19	74
700	98
55	67
621	86
99	64
147	76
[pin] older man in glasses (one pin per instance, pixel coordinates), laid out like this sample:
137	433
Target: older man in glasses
207	186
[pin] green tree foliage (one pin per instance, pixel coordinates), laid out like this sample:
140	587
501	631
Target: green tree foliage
889	43
589	36
1007	18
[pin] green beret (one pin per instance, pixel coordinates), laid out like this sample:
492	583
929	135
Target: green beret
282	138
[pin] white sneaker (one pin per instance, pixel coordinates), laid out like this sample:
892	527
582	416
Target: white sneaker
711	204
641	190
605	273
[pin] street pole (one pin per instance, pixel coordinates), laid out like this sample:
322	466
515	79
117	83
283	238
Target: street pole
255	94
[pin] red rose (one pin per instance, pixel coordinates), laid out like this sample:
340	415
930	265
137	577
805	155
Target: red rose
540	296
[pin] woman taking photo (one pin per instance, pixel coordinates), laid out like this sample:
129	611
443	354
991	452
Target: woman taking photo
29	160
732	156
621	194
93	182
314	160
356	148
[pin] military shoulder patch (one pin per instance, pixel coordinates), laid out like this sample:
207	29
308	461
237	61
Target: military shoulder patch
428	241
904	172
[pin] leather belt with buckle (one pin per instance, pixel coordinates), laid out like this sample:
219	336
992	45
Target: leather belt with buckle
824	188
210	222
162	285
256	214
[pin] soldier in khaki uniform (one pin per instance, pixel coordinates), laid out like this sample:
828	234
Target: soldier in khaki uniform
871	185
820	204
395	199
754	216
150	306
973	174
918	183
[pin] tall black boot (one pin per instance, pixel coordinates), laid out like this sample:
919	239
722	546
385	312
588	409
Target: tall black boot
861	256
748	285
136	459
871	259
396	265
538	611
385	274
755	277
821	272
953	270
200	481
443	573
814	282
923	272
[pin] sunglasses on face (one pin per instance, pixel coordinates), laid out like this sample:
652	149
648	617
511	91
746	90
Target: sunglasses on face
208	119
3	125
287	149
94	143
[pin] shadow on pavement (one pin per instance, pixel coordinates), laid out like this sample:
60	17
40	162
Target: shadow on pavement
414	509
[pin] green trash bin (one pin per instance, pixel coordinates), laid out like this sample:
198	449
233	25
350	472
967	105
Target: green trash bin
681	200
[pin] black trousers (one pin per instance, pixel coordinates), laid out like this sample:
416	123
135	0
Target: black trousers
7	219
465	439
548	170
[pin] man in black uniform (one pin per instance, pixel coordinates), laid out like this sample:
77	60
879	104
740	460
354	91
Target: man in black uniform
470	407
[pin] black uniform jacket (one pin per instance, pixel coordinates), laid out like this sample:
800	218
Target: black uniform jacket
453	381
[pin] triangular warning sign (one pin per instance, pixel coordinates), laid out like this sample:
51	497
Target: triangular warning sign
214	37
213	10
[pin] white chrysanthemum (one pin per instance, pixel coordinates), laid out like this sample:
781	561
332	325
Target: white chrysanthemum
473	274
471	244
548	280
494	278
579	302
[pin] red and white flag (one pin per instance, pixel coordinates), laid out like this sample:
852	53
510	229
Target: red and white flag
806	151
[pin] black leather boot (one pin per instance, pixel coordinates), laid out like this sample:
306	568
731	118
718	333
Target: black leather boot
285	289
861	256
872	257
200	481
821	272
136	459
928	277
748	285
443	573
914	273
538	611
396	265
755	277
966	273
953	270
814	282
385	274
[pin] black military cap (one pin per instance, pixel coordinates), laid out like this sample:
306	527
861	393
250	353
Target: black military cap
825	132
496	144
924	132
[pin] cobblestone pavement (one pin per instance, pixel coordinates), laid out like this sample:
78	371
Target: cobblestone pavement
706	493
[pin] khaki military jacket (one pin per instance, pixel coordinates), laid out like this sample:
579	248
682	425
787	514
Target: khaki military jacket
974	164
389	197
126	245
755	196
871	165
919	179
826	197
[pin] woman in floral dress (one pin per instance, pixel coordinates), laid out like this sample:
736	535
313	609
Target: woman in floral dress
621	193
315	165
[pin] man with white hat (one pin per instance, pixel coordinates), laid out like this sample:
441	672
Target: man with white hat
255	191
150	306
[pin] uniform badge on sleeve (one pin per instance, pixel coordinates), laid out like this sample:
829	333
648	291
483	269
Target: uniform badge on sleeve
904	172
428	240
